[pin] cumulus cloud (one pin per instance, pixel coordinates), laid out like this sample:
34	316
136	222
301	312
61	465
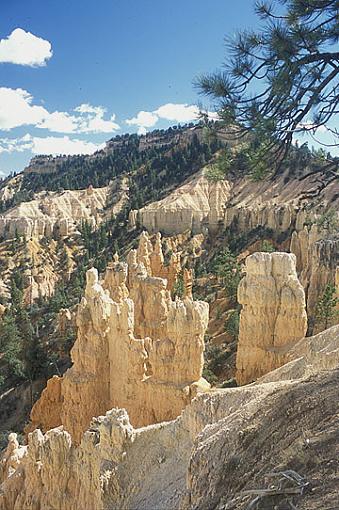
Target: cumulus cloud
177	112
63	145
24	48
92	120
174	112
143	119
59	122
17	109
53	145
88	108
15	144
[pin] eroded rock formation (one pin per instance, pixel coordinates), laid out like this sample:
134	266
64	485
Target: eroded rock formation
204	458
273	315
282	205
197	205
154	261
59	213
136	348
317	255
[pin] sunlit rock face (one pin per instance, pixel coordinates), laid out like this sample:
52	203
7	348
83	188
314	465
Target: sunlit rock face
182	463
136	349
273	315
317	264
196	205
59	213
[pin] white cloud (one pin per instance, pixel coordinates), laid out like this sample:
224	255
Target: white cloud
87	108
143	119
63	145
25	49
178	112
92	120
54	145
59	122
15	144
175	112
17	109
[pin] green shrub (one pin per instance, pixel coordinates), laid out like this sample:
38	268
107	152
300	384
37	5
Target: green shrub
267	246
326	310
232	324
226	266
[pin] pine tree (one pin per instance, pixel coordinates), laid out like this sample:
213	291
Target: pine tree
326	307
11	344
282	80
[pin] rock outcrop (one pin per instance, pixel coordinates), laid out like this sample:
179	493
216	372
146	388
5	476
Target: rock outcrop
224	442
12	457
154	260
135	348
197	205
308	357
282	205
58	213
273	315
317	263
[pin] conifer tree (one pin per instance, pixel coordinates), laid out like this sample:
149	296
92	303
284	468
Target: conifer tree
282	79
326	307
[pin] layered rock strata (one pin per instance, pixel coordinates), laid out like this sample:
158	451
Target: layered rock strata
273	315
136	348
58	213
282	205
197	205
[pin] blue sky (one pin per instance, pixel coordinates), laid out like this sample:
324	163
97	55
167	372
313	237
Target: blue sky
125	56
75	73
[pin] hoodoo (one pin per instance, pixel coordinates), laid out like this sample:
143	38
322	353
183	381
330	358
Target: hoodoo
131	351
273	315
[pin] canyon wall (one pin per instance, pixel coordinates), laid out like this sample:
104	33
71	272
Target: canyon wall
273	315
317	253
241	204
136	348
59	213
197	205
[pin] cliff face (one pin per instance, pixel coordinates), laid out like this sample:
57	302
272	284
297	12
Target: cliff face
197	205
202	459
131	351
317	262
59	213
242	204
273	314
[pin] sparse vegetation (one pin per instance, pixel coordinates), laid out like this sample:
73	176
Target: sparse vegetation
178	290
329	221
225	266
232	324
267	246
326	310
